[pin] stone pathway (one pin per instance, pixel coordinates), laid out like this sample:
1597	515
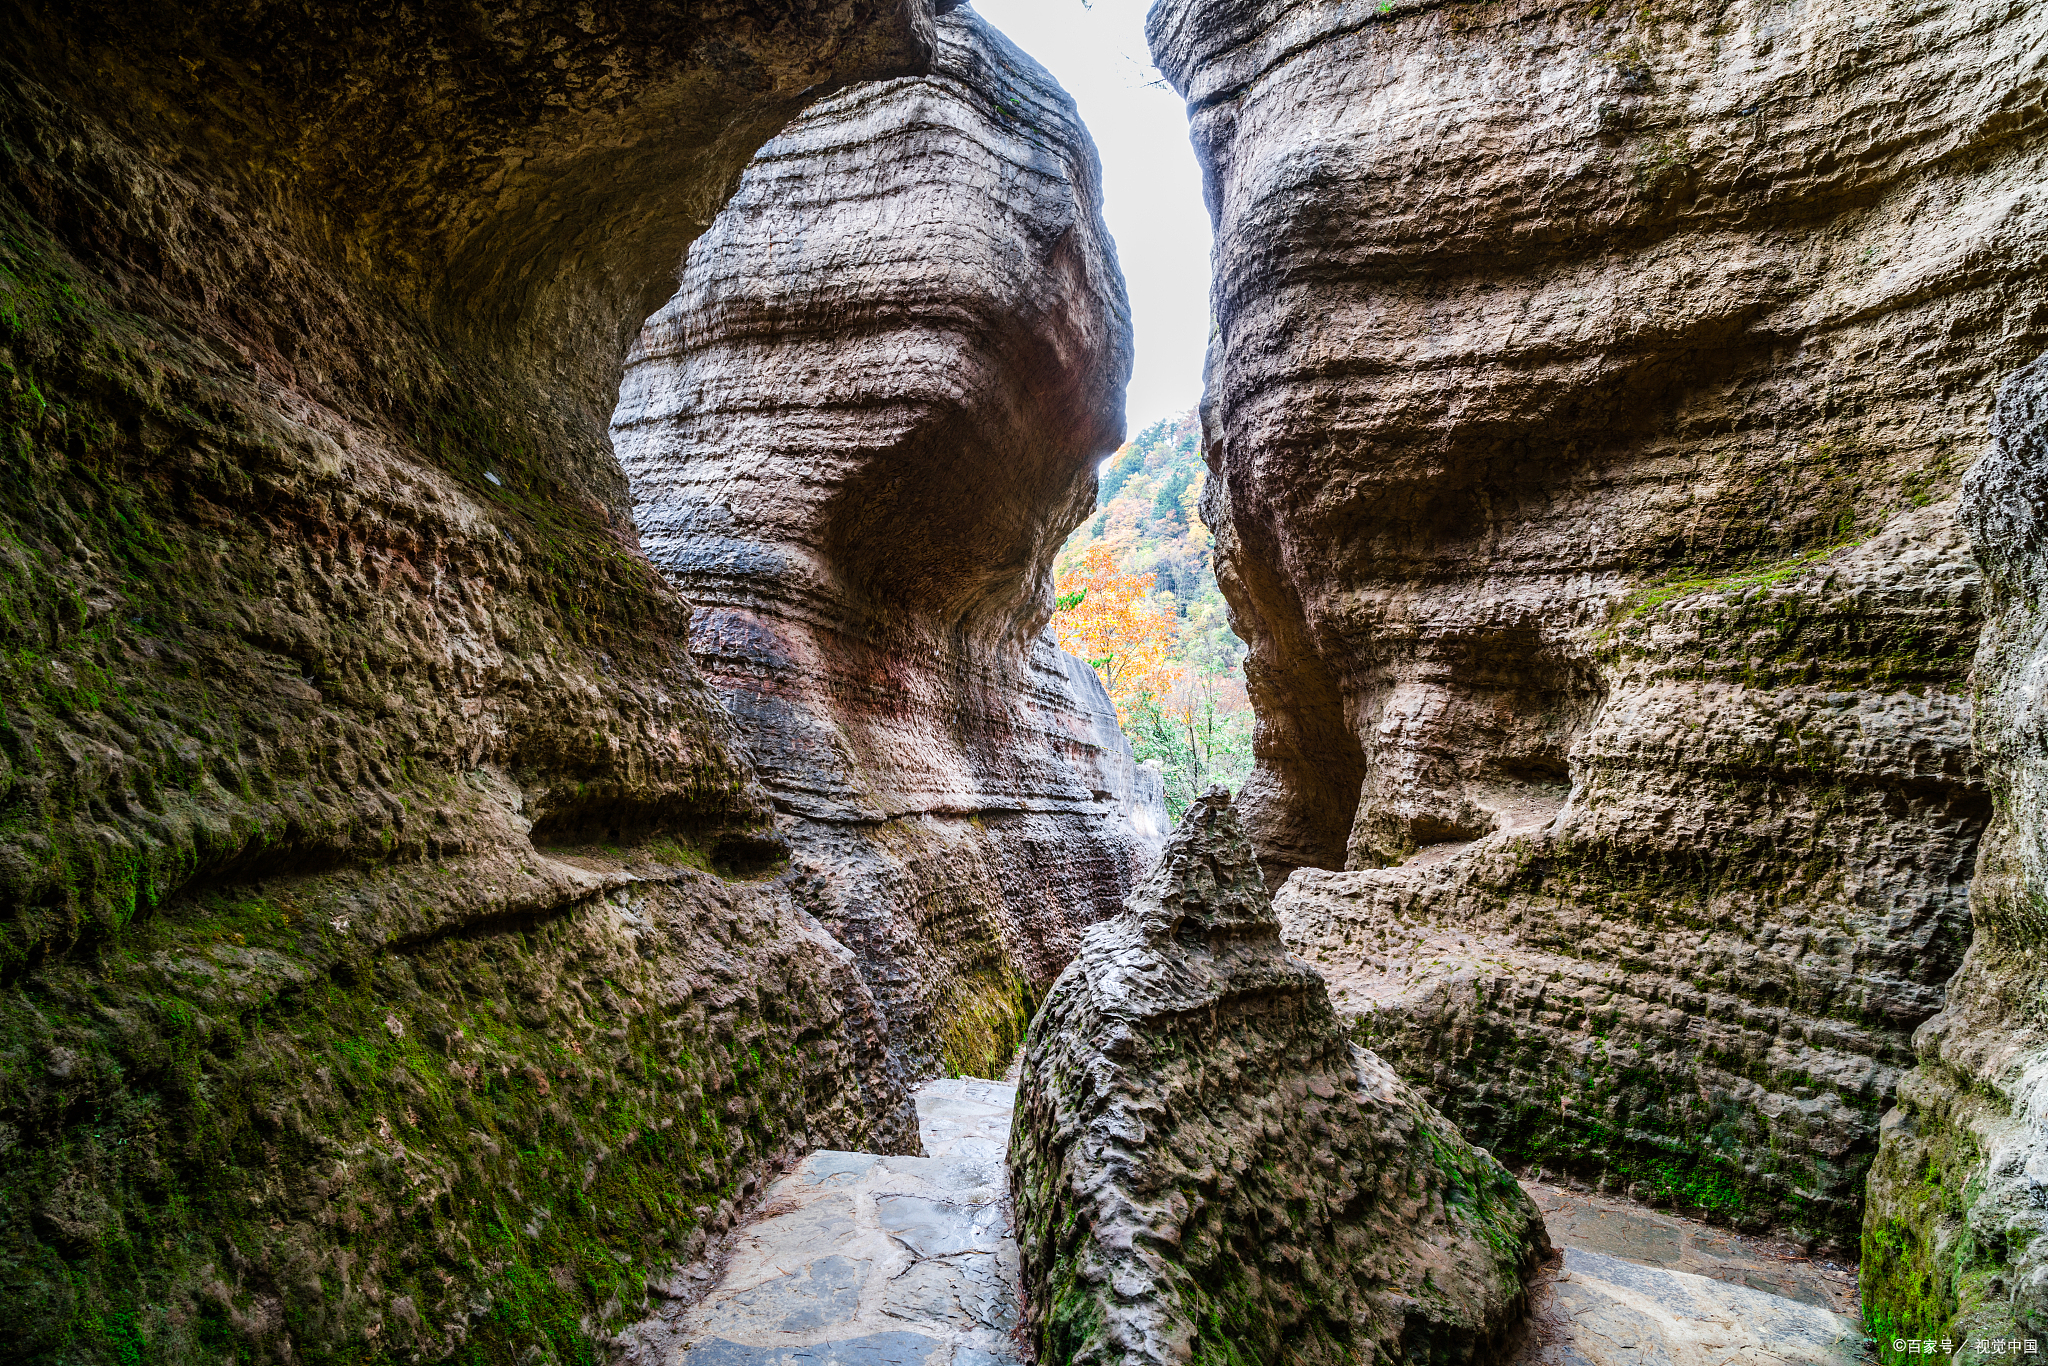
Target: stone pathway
859	1260
1578	1218
1639	1288
1597	1310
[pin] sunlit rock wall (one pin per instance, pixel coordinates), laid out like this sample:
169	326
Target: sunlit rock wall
1589	393
856	438
362	994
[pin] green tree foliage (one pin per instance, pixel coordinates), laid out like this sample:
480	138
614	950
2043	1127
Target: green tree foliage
1192	715
1200	732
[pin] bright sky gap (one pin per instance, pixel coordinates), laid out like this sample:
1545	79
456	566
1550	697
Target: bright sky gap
1152	188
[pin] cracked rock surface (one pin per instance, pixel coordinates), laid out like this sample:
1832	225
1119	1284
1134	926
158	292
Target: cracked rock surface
1206	1168
855	1259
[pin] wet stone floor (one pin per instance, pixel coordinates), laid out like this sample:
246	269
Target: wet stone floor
1579	1218
859	1260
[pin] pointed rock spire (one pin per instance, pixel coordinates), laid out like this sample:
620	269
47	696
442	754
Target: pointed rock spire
1206	1168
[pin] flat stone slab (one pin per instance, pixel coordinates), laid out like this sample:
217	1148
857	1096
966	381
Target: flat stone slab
1599	1310
1629	1231
882	1349
860	1260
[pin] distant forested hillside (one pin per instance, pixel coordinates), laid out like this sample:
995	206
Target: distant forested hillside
1138	600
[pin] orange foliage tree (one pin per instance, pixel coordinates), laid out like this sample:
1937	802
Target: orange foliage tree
1108	617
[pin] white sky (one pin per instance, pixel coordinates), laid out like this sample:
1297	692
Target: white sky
1151	189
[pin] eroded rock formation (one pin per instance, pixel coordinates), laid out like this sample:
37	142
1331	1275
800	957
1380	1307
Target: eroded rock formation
856	437
1206	1169
327	639
1589	392
1954	1243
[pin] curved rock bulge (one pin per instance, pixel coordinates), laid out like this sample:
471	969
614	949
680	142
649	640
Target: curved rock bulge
1587	401
457	163
857	436
362	993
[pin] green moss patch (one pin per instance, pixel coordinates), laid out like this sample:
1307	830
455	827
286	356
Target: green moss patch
465	1151
984	1018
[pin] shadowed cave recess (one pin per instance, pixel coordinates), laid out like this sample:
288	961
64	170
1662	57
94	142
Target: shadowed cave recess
526	708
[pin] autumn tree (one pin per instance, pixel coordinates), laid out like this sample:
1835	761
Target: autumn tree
1106	616
1139	600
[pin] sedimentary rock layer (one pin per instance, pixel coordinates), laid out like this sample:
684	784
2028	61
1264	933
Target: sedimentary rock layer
1589	391
1206	1169
856	438
325	632
1953	1243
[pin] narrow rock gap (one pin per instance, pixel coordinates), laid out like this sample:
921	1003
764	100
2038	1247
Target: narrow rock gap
455	863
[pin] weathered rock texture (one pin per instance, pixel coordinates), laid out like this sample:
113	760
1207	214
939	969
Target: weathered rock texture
324	631
856	438
1206	1169
1589	389
1955	1242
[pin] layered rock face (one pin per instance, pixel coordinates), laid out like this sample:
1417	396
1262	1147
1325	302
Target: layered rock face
1206	1168
1954	1242
1589	392
856	438
326	640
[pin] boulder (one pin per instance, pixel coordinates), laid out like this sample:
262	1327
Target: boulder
1205	1168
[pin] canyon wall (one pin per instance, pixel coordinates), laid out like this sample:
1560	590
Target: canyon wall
856	438
379	978
1588	399
1206	1169
1954	1244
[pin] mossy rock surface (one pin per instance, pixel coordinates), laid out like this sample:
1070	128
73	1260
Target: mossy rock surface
1953	1243
323	636
1207	1170
231	1131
